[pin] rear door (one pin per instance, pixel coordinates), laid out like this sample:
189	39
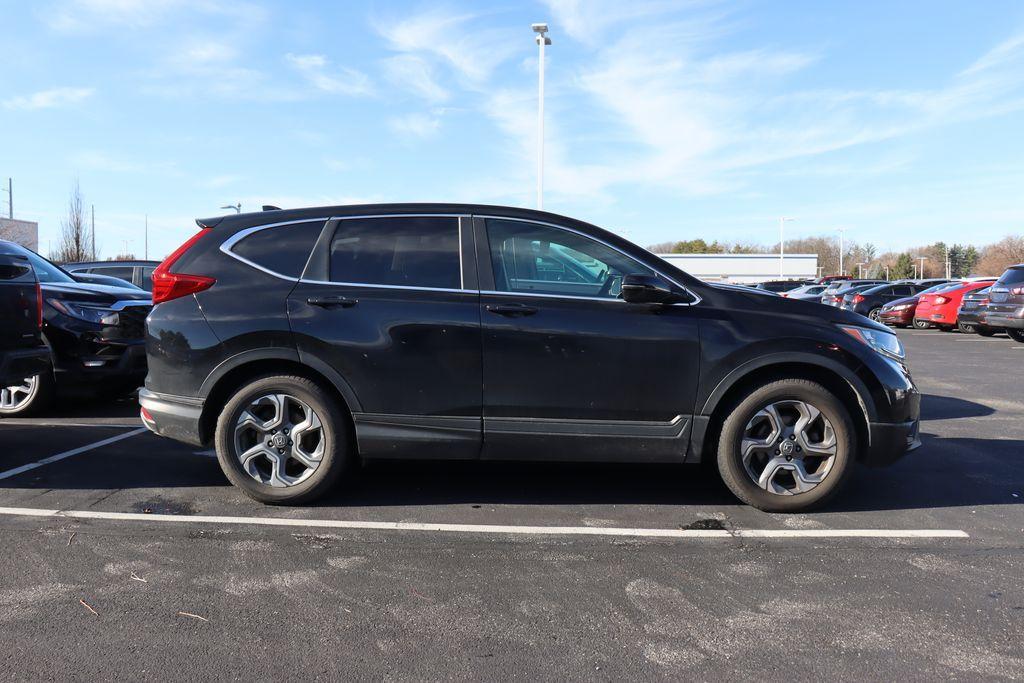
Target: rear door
390	304
19	304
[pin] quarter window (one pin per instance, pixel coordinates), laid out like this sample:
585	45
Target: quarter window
283	250
540	259
402	251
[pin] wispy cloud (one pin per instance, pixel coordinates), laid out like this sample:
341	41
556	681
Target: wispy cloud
48	99
84	16
415	74
417	125
323	76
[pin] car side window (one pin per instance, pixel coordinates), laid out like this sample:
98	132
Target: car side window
283	250
121	272
902	290
410	251
541	259
147	278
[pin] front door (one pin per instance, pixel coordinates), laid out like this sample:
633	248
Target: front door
394	312
570	370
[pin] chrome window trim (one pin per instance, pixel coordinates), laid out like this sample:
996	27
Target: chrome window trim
225	247
696	299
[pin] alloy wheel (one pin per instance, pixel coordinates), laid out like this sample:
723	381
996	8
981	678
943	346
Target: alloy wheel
279	440
17	396
788	447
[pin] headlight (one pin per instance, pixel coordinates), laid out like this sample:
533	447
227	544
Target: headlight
87	312
885	343
901	307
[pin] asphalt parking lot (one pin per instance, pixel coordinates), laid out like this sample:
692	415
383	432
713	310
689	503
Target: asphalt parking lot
422	570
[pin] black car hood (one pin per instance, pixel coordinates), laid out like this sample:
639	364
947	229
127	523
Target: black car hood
83	291
756	301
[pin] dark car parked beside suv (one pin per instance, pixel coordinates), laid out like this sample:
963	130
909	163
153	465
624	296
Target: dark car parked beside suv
969	316
448	331
837	289
869	300
22	352
94	334
138	273
1005	308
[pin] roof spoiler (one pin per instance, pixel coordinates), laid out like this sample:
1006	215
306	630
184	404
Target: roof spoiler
209	222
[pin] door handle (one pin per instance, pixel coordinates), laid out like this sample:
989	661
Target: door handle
329	301
511	310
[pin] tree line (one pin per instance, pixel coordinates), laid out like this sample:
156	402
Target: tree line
965	259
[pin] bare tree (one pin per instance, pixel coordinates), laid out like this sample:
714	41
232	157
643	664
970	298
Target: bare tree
995	258
74	235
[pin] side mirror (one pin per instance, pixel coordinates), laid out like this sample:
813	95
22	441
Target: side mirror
648	289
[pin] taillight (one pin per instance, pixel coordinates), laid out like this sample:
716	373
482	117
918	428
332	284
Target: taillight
1017	291
39	306
941	300
168	286
857	299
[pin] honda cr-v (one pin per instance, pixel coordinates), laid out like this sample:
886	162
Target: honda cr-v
301	341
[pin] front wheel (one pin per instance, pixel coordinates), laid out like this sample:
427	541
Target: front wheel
283	440
965	328
1015	335
874	313
787	447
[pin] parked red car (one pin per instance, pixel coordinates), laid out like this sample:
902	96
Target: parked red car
940	308
900	312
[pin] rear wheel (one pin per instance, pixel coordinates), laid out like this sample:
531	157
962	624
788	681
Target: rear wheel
965	328
1016	335
787	447
27	397
984	331
283	440
921	324
874	312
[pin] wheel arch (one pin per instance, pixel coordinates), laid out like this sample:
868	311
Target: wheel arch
241	368
835	377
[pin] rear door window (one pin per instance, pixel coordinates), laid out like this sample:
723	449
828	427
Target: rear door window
398	251
283	250
902	290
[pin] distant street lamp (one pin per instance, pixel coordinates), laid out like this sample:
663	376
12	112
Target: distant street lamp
842	234
237	207
922	259
782	245
541	30
860	270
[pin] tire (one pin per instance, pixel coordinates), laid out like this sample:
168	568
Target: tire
36	400
984	331
1015	335
921	324
784	394
873	313
329	447
965	328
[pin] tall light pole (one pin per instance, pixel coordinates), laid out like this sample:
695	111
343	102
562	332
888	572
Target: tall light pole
237	207
842	246
922	259
860	270
949	266
542	40
782	245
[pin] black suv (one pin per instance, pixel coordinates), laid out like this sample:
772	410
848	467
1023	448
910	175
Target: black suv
94	334
23	355
1005	308
298	341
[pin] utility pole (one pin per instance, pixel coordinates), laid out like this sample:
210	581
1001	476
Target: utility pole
842	234
948	264
542	40
93	231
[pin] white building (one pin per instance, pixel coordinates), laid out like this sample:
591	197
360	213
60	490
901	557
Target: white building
745	268
25	233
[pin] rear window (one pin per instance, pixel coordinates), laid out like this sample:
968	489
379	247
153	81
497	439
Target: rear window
1013	276
122	272
409	251
283	250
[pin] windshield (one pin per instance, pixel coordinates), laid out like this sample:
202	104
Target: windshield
1013	276
45	271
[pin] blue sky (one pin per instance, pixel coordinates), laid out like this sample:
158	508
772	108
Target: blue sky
901	121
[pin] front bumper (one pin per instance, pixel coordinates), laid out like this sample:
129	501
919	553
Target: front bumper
15	366
176	417
890	442
113	361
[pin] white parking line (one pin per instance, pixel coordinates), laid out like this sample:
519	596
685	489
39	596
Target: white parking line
489	528
67	454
